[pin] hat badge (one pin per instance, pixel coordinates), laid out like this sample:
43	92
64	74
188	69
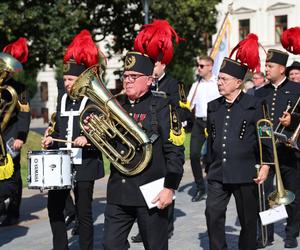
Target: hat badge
130	62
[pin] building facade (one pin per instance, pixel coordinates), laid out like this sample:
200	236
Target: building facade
266	18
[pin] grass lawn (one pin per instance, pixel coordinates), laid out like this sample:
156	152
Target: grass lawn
34	143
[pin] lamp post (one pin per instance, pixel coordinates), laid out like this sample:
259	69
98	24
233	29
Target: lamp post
146	4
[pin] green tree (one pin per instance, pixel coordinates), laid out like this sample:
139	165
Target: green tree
50	25
193	20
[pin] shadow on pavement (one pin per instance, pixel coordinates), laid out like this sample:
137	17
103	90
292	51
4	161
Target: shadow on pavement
14	232
33	204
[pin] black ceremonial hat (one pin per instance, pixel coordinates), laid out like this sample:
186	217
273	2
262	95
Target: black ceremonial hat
294	65
139	62
277	56
233	68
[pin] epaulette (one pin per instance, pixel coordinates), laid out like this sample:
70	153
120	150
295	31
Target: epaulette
7	170
177	133
23	104
183	102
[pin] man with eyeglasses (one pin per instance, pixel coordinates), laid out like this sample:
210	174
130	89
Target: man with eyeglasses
232	146
202	91
258	80
125	202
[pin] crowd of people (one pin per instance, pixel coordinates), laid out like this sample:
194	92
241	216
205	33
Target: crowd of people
224	135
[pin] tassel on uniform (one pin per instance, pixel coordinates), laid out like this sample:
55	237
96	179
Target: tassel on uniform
177	139
186	105
7	170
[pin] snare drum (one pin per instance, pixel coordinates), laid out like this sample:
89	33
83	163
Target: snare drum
49	169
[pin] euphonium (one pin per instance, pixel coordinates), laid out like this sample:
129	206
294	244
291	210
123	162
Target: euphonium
280	195
112	126
8	65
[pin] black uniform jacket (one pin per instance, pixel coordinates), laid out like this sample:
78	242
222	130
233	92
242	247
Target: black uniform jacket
277	101
175	91
232	139
92	164
18	125
167	159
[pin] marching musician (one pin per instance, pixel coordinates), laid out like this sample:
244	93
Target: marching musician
278	94
81	54
156	40
16	132
125	202
232	155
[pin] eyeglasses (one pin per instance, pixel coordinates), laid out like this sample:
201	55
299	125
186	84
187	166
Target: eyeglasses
225	79
202	65
131	77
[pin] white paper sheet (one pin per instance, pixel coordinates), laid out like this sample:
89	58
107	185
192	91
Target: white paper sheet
151	190
273	214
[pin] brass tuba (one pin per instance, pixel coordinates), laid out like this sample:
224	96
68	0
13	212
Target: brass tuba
112	125
280	195
8	65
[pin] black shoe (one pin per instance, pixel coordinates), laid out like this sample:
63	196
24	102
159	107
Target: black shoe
291	243
137	238
260	245
9	221
75	230
69	219
200	195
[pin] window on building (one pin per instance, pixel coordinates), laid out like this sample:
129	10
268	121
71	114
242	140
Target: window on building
44	91
280	26
244	28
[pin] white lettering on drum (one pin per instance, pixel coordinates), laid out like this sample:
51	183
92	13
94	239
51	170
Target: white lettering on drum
36	170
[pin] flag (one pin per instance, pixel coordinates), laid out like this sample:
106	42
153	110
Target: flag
221	46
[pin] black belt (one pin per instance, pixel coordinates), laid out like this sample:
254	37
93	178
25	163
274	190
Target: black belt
202	119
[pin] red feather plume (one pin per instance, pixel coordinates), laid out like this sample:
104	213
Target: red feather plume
290	40
248	52
156	40
83	50
18	49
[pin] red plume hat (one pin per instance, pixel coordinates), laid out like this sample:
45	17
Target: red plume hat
247	57
290	40
81	54
156	41
18	49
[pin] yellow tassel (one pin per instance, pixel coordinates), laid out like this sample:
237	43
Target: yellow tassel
177	140
186	105
205	133
7	170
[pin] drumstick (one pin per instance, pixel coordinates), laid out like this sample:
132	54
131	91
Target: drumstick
66	141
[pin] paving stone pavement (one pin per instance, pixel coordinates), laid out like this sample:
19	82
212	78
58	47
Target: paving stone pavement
190	233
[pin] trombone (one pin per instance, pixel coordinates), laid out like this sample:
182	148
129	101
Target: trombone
280	196
281	137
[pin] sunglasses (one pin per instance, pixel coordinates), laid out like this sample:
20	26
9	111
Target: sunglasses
201	65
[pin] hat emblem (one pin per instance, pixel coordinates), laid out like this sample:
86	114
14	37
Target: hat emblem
223	64
66	67
130	62
269	56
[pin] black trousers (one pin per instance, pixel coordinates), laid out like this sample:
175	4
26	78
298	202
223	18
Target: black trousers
197	140
12	188
152	223
218	196
83	191
70	209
